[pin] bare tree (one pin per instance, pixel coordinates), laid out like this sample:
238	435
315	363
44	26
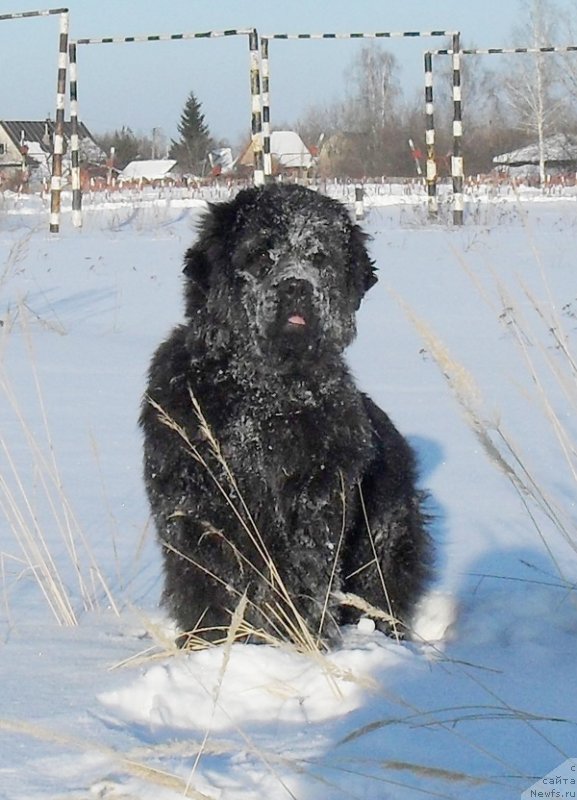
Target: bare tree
367	132
373	106
320	122
532	87
375	84
568	23
360	135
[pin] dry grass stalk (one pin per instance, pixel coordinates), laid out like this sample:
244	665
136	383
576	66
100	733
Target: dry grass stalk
231	636
24	521
354	601
336	558
17	255
285	613
531	346
284	616
24	524
377	563
493	436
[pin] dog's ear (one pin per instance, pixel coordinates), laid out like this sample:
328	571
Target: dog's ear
197	271
362	267
210	247
199	259
196	266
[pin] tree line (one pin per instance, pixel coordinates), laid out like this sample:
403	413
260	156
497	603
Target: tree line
508	101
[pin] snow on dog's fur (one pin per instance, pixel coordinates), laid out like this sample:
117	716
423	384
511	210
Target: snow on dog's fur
268	472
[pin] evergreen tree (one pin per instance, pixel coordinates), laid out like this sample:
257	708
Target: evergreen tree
195	141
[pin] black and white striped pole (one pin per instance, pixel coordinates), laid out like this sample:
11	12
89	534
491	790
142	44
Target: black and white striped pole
416	158
431	168
48	12
457	170
58	146
266	132
74	139
256	109
491	51
371	35
166	37
359	203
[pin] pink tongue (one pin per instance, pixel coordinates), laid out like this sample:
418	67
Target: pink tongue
296	319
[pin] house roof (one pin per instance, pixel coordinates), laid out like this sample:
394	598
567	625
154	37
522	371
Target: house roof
288	150
151	170
558	148
37	136
40	131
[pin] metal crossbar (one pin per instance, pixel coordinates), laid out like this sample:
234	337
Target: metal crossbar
166	37
29	14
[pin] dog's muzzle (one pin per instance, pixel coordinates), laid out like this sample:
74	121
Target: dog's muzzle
295	313
295	285
292	315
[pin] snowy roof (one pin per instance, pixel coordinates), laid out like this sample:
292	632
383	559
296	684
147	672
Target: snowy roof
151	170
288	150
560	147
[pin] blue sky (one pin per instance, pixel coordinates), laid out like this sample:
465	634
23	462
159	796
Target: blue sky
145	85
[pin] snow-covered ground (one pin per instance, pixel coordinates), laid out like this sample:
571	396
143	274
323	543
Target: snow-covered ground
468	341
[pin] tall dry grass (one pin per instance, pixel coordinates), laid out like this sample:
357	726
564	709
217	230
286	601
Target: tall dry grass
34	501
546	352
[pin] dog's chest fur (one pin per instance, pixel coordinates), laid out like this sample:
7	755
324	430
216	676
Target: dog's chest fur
276	445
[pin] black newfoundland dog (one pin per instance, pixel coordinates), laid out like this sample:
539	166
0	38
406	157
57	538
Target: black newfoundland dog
270	476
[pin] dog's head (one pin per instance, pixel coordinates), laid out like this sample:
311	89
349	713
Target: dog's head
281	269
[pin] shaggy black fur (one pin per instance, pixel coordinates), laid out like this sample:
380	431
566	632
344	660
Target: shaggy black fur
272	287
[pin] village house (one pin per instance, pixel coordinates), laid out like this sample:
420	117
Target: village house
289	155
26	149
149	171
559	150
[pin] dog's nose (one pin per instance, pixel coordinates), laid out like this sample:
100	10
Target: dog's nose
295	288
